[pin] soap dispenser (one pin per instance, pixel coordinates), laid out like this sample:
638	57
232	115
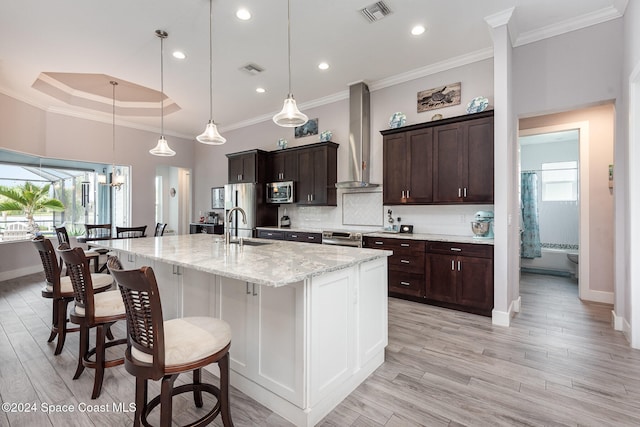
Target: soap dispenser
285	222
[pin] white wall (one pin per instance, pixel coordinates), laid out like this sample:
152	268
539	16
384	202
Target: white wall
627	158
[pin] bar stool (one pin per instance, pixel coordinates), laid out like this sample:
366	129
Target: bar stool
99	310
91	254
61	291
159	229
158	349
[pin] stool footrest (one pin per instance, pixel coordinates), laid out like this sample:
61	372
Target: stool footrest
185	388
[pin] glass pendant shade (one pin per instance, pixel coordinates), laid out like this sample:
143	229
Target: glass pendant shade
211	135
162	149
290	116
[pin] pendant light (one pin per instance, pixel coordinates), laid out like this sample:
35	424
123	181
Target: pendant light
290	116
116	179
211	136
162	148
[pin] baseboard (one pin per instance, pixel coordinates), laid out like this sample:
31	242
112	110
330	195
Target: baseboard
503	318
621	324
12	274
598	296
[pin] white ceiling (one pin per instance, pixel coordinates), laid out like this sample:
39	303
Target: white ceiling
117	38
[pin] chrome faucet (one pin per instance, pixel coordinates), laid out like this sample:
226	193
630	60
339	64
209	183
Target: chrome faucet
228	224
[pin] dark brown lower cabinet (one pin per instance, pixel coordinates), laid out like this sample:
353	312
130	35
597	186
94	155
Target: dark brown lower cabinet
460	276
453	275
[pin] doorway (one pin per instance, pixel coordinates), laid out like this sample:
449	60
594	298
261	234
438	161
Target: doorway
173	198
594	128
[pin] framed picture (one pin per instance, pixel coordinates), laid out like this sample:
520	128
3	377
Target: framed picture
217	198
307	129
439	97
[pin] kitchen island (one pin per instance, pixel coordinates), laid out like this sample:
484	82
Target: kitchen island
309	322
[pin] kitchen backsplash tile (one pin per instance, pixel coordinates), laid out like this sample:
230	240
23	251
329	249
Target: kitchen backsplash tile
430	219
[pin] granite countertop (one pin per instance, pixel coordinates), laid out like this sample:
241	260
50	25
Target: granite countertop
432	237
277	263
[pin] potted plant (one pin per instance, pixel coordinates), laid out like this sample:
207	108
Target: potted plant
28	199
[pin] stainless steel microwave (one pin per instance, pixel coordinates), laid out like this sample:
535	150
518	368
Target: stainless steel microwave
280	192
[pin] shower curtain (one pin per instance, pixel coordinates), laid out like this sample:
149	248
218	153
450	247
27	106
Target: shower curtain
530	241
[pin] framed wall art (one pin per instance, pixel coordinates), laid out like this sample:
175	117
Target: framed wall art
307	129
439	97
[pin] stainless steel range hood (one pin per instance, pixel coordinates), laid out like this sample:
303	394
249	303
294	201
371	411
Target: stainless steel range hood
359	138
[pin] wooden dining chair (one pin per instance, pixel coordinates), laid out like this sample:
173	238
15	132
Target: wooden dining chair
91	254
131	232
159	229
161	350
92	310
60	290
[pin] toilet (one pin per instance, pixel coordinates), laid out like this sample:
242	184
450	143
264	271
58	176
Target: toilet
573	257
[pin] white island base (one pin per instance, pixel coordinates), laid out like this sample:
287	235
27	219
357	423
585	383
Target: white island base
297	348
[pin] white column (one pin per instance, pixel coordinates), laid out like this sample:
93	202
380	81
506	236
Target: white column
506	187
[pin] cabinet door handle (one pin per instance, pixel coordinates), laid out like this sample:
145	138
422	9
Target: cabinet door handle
456	249
403	194
295	236
459	192
254	290
465	192
458	265
406	245
379	243
405	283
248	291
405	261
408	196
453	265
311	237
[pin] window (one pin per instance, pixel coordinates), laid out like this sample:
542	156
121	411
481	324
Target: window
75	184
560	182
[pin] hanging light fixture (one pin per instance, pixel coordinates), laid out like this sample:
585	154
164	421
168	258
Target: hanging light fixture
211	135
162	148
117	180
290	116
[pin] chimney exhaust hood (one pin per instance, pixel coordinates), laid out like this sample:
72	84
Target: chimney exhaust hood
359	138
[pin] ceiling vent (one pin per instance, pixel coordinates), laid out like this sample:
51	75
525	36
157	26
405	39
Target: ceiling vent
252	69
376	11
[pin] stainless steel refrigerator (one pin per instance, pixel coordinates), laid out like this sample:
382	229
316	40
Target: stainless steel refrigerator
249	197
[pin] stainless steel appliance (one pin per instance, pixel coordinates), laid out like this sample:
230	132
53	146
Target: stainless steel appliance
280	192
342	238
250	198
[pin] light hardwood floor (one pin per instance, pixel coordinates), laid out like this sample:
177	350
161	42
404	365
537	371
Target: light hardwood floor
560	363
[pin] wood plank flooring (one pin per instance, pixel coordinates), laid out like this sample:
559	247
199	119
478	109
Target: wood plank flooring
560	363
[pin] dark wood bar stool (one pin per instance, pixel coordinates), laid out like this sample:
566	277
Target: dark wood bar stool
99	310
159	229
60	290
91	254
131	232
158	349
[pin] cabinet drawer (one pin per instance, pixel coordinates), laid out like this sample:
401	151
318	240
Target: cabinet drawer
269	234
395	244
411	263
406	283
462	249
303	237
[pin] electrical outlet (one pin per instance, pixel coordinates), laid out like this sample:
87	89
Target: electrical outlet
399	219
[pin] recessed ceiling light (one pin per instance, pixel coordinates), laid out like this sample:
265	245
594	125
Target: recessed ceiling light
260	90
323	65
243	14
417	30
179	55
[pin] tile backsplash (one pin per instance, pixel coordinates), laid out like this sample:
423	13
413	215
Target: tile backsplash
363	211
